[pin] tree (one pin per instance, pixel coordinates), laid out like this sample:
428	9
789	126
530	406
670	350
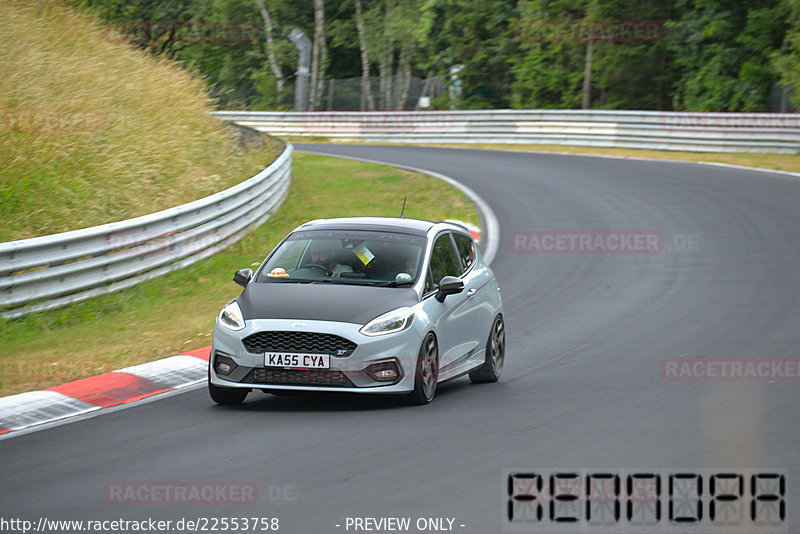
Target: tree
592	53
366	85
164	28
550	71
724	60
711	55
319	56
268	31
385	31
473	34
786	60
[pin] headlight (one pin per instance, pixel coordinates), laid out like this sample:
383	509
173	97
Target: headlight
389	323
231	316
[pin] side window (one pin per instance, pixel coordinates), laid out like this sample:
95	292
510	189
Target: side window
466	250
444	260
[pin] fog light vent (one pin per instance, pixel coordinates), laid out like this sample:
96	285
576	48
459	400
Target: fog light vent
223	364
385	371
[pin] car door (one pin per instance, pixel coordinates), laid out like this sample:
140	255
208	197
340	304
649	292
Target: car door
451	317
477	314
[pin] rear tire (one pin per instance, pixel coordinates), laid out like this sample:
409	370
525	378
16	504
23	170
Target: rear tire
426	376
227	396
495	355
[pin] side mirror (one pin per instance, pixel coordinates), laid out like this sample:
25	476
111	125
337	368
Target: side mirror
450	285
243	276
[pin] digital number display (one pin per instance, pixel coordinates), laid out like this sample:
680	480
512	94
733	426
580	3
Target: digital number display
710	501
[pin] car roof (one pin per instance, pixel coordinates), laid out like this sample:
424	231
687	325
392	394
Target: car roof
386	224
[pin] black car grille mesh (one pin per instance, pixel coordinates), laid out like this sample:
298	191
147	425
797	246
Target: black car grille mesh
304	342
298	377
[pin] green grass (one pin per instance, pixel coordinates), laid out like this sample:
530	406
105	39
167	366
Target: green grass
94	131
175	313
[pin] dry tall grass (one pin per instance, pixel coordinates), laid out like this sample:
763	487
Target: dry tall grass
93	131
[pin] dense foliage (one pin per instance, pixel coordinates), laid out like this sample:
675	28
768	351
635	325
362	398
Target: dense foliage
704	55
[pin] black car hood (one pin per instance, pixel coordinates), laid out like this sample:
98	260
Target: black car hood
322	302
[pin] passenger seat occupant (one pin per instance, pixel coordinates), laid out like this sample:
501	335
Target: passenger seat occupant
410	267
407	271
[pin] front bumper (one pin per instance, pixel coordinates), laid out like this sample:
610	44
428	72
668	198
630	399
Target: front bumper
346	374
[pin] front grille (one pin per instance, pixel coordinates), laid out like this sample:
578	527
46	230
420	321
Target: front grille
298	377
304	342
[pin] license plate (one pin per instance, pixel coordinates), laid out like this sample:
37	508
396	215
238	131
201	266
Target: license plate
306	361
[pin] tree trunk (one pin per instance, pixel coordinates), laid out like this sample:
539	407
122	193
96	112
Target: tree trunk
323	62
386	80
403	77
273	61
366	86
387	59
319	56
587	76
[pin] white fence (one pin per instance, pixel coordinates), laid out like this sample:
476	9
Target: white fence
50	271
698	132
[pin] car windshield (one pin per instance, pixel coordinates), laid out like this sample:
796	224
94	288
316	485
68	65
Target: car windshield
377	258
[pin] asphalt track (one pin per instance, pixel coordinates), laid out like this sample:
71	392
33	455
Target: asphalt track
582	385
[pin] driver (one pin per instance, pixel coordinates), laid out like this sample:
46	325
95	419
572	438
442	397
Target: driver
322	254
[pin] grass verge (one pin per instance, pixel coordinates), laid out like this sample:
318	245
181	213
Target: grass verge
175	313
94	131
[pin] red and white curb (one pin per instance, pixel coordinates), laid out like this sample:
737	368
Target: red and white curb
33	408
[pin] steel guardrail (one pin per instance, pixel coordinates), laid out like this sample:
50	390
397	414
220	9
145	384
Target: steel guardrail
50	271
695	132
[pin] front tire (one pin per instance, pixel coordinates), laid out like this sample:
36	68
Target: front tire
426	375
227	396
495	355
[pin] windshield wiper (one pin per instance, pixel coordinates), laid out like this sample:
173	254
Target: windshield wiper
349	282
287	280
395	283
353	282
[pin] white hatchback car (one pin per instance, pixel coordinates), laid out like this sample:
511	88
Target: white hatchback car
361	305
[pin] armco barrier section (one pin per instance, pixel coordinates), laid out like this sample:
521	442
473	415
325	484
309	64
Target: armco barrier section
49	271
697	132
